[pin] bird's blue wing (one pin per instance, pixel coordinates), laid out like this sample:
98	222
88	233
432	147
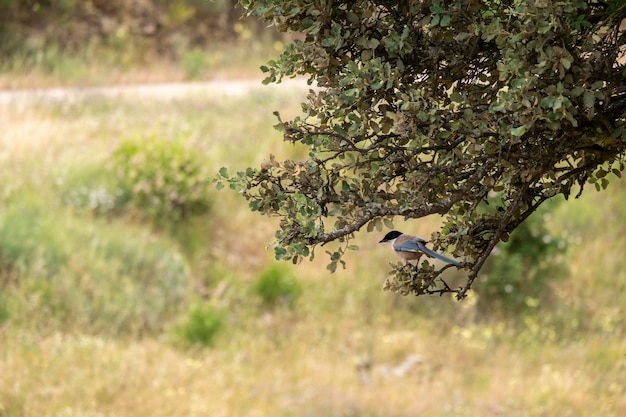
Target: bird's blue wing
420	246
408	246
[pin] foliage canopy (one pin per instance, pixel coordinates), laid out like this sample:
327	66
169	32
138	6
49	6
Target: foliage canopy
478	111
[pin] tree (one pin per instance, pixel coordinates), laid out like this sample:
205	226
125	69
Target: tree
476	110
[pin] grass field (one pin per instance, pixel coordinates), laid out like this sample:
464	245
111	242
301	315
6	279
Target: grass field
103	311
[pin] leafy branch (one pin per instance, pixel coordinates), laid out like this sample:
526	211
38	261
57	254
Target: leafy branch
477	111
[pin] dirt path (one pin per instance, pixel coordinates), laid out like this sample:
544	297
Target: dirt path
156	91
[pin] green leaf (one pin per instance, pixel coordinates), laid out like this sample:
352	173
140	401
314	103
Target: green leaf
376	85
280	252
589	99
372	43
604	183
548	101
518	131
330	41
436	8
456	97
570	117
340	130
445	134
543	27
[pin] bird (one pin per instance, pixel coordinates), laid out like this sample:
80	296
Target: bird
410	248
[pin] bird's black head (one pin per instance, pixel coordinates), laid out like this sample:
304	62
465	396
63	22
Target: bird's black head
390	236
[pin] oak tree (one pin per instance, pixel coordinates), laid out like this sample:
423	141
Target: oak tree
478	111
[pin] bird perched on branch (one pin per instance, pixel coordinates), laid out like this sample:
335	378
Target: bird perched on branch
410	248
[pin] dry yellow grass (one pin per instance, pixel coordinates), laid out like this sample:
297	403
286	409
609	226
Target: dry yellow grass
347	348
288	366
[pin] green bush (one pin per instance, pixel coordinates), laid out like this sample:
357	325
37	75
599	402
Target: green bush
518	275
28	242
164	180
276	286
201	326
4	309
60	271
195	63
152	179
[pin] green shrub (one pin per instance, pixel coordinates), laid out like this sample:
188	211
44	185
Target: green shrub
519	273
162	179
155	180
201	326
195	63
4	308
27	242
277	285
65	272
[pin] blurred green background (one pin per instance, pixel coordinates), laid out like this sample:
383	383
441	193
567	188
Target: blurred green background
77	42
130	286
